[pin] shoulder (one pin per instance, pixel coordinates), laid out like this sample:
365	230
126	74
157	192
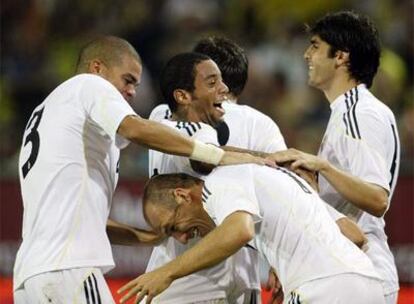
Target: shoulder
190	128
91	79
367	104
247	113
160	112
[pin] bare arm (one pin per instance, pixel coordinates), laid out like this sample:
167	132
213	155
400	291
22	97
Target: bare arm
351	231
156	136
235	231
121	234
366	196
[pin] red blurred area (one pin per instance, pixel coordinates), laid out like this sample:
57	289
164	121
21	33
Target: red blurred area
406	295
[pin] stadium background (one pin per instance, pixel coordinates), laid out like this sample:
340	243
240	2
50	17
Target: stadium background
39	44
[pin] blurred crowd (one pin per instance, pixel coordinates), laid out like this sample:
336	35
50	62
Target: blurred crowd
40	40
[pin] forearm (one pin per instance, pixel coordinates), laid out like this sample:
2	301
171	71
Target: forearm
121	234
156	136
366	196
241	150
351	231
222	242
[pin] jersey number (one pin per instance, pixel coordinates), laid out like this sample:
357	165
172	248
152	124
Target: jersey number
294	177
32	137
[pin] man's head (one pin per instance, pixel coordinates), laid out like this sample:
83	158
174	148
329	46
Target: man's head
191	84
350	41
172	206
115	60
231	60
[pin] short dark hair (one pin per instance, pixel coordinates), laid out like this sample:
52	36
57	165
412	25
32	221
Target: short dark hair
109	49
159	189
179	73
353	33
230	58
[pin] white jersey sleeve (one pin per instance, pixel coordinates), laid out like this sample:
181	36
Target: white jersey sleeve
230	196
251	129
267	136
367	161
105	106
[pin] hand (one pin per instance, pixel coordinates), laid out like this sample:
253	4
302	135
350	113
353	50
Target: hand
309	176
236	158
149	284
275	287
300	159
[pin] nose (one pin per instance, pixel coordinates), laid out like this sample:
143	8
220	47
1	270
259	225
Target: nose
306	55
182	237
130	92
223	88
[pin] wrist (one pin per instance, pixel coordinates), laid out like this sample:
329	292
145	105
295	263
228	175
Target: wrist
206	153
324	167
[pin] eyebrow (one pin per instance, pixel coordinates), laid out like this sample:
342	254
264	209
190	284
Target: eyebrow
208	77
132	77
313	41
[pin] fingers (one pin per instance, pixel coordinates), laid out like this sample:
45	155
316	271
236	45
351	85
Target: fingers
127	286
134	291
286	155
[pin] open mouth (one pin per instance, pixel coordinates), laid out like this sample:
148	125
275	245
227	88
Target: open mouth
194	233
218	106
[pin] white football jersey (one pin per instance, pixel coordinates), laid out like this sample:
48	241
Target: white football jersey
362	139
243	127
294	230
68	169
206	284
251	129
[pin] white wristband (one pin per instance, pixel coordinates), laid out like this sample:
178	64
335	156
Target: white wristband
206	153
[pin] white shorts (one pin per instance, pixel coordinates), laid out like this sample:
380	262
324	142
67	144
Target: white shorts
78	285
339	289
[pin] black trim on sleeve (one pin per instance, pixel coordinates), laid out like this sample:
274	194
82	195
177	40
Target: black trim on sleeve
348	114
91	289
353	112
96	289
394	157
85	288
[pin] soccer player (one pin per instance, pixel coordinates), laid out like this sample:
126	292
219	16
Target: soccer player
270	209
191	84
359	156
68	169
242	127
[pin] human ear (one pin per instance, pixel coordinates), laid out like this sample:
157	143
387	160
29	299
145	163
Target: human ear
95	66
182	195
342	58
182	97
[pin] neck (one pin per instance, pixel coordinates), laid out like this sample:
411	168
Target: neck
182	114
339	86
231	98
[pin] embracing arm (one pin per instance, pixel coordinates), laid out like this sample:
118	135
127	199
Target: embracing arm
351	231
159	137
366	196
121	234
226	239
